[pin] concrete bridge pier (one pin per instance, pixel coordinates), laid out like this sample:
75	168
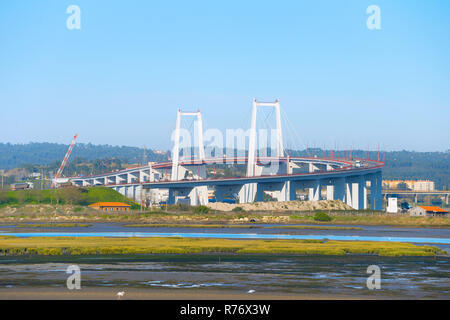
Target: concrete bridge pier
196	195
199	196
355	193
132	177
348	192
330	187
272	168
330	192
135	192
227	191
139	193
198	171
110	180
99	181
175	193
171	198
292	190
314	190
247	193
86	183
339	189
285	192
312	168
282	190
336	189
121	190
120	179
376	200
362	193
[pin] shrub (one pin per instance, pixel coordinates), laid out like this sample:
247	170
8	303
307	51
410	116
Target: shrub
200	209
322	216
238	209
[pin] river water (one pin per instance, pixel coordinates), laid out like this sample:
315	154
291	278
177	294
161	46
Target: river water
336	276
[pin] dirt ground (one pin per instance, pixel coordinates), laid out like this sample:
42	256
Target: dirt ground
96	293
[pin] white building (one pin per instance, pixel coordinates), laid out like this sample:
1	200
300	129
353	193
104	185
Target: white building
392	205
423	185
414	185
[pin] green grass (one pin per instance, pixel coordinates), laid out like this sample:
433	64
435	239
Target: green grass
74	196
50	246
52	225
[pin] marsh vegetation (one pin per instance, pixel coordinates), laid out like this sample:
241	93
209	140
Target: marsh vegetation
10	246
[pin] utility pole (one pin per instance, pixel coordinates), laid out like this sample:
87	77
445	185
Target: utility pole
144	156
142	189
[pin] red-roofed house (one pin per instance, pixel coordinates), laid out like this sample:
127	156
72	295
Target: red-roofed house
422	211
111	206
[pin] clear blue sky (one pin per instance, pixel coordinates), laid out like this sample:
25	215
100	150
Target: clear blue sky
120	79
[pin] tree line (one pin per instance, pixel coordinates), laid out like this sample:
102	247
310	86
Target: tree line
92	159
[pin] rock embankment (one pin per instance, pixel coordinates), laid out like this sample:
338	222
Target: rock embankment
283	206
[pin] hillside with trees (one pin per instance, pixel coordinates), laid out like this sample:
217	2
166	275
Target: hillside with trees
404	165
91	159
16	155
72	196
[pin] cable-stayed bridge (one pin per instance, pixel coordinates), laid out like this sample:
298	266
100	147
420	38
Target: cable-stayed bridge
185	179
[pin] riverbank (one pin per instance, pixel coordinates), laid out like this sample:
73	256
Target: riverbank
239	226
96	293
57	246
46	213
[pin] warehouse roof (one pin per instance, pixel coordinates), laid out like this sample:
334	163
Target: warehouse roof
433	209
109	204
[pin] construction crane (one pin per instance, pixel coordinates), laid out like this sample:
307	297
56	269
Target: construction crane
64	162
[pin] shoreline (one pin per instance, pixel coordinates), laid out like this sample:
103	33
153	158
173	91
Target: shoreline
97	293
228	219
203	221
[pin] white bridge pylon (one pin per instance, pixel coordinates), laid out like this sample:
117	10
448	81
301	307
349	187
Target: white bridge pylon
252	148
249	191
177	136
197	195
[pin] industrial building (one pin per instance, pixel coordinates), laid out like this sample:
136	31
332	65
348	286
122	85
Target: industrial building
414	185
22	186
111	206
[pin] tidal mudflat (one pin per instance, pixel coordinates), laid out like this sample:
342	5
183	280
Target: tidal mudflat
222	276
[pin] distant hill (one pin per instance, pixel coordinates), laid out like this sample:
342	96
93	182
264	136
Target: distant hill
434	166
17	155
413	165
